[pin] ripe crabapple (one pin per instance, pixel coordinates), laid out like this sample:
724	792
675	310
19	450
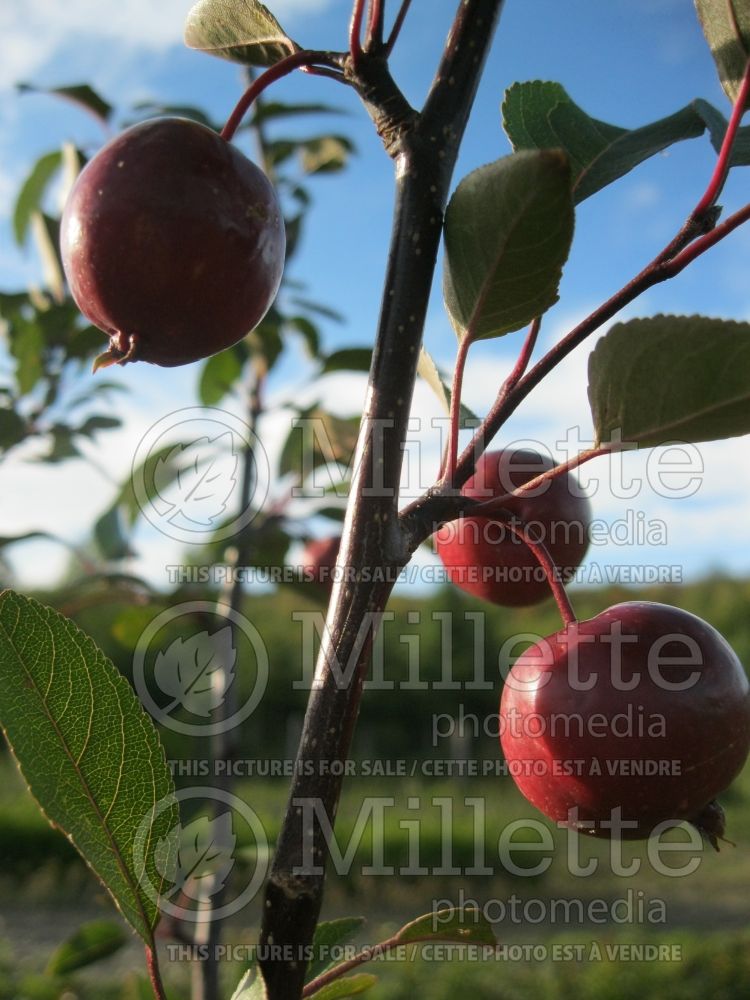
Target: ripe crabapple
485	558
172	243
319	560
644	708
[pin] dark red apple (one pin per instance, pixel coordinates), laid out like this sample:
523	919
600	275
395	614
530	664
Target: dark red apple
319	560
172	242
644	708
485	558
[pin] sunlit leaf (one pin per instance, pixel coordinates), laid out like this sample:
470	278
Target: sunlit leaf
244	31
726	25
671	378
32	192
508	230
90	754
329	935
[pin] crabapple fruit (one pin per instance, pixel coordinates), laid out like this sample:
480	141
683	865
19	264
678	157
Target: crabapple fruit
484	557
172	243
643	709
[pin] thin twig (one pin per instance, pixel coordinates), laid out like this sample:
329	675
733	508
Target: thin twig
397	26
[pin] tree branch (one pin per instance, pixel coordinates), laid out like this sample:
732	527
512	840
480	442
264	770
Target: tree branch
424	149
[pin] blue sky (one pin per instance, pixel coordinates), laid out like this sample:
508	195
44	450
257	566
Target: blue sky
626	61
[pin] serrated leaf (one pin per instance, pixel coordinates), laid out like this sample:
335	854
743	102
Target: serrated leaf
81	94
251	987
726	25
196	672
92	942
464	925
351	359
540	114
351	986
429	371
32	192
671	378
244	31
89	753
329	935
508	230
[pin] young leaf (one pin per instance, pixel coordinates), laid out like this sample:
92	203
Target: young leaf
508	230
726	25
329	935
351	986
244	31
541	115
429	371
463	925
90	943
32	191
671	378
88	751
81	94
348	359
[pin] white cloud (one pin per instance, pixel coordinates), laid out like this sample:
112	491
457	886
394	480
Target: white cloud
33	32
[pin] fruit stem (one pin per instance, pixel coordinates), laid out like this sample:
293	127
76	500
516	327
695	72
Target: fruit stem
551	571
723	164
297	60
154	973
455	413
397	26
496	503
374	36
355	33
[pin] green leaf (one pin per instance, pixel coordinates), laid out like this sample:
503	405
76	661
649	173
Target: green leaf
271	110
319	438
26	346
154	109
726	25
329	935
81	94
671	378
110	536
540	115
348	359
12	429
351	986
244	31
220	375
508	230
716	124
25	537
315	307
91	942
429	371
251	987
464	925
88	751
46	233
96	423
309	333
32	192
325	154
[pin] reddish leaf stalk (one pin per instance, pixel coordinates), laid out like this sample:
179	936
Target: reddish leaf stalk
397	26
545	560
355	33
154	973
718	179
297	60
455	411
374	36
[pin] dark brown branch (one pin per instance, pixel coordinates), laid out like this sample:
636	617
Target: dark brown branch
424	150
